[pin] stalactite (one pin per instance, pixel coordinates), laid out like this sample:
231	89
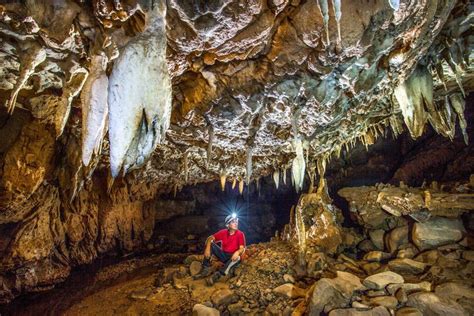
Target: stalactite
395	4
139	96
284	175
458	105
209	143
249	164
338	14
276	177
95	108
175	190
298	166
29	61
185	167
223	180
241	186
234	183
323	6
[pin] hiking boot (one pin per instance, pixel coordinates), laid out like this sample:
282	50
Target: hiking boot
205	271
213	278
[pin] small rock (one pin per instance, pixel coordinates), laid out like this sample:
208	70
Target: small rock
366	245
380	280
436	232
222	297
408	311
192	258
376	256
430	304
289	290
195	268
371	267
468	255
401	295
377	311
359	305
406	266
377	236
288	278
236	308
408	252
203	310
140	294
409	287
396	237
386	301
375	293
429	257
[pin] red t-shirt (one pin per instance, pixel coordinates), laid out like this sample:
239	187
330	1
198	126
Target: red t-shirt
230	243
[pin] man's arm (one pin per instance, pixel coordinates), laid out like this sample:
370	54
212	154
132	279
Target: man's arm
238	253
207	248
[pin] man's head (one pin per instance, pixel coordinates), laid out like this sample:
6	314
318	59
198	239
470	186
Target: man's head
232	221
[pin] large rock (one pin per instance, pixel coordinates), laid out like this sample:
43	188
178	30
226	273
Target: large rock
436	232
377	238
329	294
409	287
461	293
203	310
223	297
386	301
408	311
376	256
431	304
381	280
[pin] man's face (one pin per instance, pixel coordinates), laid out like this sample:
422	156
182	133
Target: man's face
234	224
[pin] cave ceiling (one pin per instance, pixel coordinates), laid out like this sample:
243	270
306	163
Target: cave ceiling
182	92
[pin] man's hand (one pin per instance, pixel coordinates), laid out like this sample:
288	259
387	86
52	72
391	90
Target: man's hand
235	256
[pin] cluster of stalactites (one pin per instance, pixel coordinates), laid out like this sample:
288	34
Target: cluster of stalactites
336	5
415	100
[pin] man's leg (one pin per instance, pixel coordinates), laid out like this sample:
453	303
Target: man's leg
206	262
229	266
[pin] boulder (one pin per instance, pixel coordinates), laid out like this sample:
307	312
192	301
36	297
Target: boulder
406	266
366	245
380	280
203	310
371	267
461	293
436	232
377	311
468	255
431	304
408	252
289	290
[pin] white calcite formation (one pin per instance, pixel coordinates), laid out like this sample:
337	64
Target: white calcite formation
139	97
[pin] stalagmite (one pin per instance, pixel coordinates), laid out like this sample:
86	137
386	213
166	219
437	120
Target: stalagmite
29	61
209	143
276	177
338	14
249	164
223	180
234	183
241	186
458	105
298	166
395	4
94	108
323	6
139	96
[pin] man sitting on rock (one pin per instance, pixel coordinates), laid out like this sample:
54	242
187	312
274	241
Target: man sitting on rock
232	247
